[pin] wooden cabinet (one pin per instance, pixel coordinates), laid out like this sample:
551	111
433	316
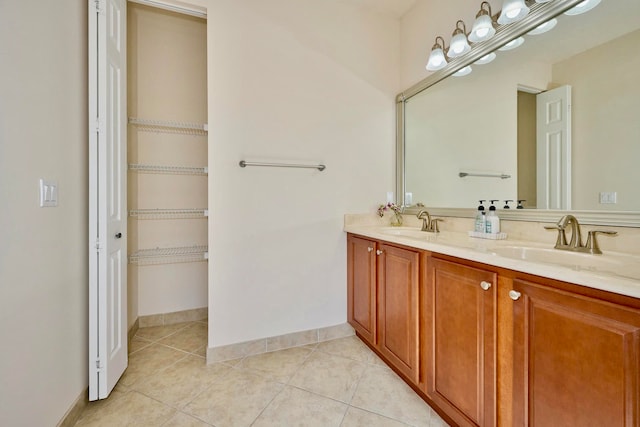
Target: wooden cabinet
458	345
576	359
361	287
398	275
488	346
382	300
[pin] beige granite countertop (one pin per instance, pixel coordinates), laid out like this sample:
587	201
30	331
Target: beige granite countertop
621	274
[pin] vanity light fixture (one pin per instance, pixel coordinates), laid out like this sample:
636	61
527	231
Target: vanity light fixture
486	59
437	59
512	11
513	44
483	28
459	43
544	27
582	7
463	71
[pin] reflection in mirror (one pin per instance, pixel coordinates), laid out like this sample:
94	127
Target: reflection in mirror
484	123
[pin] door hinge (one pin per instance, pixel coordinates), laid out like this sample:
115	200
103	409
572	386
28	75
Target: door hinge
99	364
98	245
98	5
98	126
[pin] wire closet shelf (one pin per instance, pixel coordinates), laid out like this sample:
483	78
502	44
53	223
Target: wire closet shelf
143	214
166	126
169	255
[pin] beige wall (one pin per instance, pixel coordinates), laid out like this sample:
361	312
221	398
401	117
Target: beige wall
44	251
167	80
303	82
606	101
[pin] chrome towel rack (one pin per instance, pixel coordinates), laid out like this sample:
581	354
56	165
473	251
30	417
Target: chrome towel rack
487	175
244	164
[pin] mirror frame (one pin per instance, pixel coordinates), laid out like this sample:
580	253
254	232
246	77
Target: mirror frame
539	13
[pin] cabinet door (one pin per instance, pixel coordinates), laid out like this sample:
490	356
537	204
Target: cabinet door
361	286
459	341
576	359
398	273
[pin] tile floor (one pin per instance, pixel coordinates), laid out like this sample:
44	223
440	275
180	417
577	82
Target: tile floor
333	383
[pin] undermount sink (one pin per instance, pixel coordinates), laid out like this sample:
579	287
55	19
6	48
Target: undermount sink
414	233
618	264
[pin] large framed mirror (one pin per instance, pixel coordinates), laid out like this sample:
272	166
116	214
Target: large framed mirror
461	139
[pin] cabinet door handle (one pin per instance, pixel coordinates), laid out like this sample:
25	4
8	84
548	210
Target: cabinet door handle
514	295
379	252
485	285
369	249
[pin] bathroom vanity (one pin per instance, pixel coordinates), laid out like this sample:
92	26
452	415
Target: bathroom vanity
489	339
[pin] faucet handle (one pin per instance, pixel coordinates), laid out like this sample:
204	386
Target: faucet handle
434	225
562	237
592	243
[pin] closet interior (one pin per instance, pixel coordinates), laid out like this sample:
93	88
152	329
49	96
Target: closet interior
167	161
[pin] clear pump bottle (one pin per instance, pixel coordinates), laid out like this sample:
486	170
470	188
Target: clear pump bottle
492	221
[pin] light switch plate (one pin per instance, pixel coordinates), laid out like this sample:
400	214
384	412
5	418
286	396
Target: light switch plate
48	193
390	197
408	198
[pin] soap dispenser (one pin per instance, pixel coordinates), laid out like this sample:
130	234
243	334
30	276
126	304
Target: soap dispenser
481	222
492	222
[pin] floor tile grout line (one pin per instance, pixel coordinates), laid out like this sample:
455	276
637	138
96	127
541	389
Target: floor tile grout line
156	372
204	389
318	394
165	336
300	366
268	404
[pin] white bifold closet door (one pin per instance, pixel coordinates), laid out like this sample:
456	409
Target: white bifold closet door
107	195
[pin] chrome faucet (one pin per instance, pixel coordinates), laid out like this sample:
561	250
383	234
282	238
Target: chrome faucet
428	224
575	244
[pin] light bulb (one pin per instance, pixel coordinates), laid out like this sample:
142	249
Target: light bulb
459	44
513	44
483	28
544	27
486	59
436	62
582	7
463	71
512	11
437	59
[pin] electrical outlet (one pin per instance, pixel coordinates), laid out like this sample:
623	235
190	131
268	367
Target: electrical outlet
48	193
608	197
